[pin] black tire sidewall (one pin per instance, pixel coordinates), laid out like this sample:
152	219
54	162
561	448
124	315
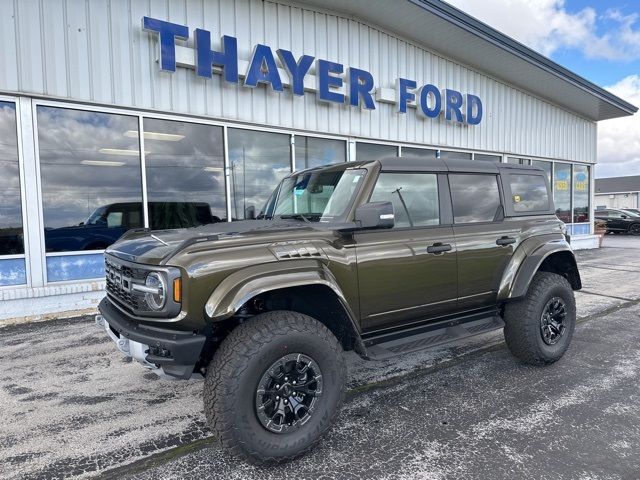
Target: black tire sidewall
554	352
237	392
523	320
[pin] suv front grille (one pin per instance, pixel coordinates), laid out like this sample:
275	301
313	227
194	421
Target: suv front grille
119	280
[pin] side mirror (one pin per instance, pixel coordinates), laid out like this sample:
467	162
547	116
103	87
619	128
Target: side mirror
250	213
375	215
624	216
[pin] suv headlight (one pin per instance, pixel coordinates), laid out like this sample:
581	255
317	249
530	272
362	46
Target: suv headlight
156	293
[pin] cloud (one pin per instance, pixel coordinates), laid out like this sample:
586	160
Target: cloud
619	139
546	26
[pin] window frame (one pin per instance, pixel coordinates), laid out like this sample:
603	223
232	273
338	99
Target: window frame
26	256
508	193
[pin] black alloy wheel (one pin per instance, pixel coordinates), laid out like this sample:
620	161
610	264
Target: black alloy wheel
288	392
552	320
634	229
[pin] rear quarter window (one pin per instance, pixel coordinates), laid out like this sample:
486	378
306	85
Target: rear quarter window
528	193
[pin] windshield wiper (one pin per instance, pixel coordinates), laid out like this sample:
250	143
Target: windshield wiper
295	216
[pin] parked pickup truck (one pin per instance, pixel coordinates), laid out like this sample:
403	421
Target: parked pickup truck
381	257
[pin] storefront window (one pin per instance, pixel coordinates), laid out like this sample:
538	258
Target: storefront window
580	193
90	176
374	151
425	153
562	191
11	239
448	155
258	161
518	161
487	158
546	166
185	173
315	152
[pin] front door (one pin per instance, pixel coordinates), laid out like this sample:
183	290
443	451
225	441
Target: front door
406	273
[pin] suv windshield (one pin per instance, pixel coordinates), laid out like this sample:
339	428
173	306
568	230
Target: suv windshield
315	196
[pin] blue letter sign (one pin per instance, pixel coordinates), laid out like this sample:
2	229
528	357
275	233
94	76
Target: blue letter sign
227	59
331	84
360	86
324	70
263	69
404	95
168	33
297	70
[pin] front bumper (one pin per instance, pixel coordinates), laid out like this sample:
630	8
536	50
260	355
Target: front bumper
166	352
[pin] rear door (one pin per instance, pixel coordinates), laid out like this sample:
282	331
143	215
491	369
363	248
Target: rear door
484	240
408	272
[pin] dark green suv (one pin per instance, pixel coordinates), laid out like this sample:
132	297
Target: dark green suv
381	257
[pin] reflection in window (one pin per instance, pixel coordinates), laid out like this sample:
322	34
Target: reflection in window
518	161
546	166
11	239
580	193
258	161
425	153
487	158
91	180
320	195
414	198
562	191
185	174
374	151
529	192
475	197
315	152
447	155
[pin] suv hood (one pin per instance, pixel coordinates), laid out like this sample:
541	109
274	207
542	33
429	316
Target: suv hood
155	247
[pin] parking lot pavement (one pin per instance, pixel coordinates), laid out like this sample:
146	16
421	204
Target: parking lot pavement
72	407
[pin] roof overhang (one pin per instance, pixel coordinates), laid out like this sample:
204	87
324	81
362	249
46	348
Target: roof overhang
442	28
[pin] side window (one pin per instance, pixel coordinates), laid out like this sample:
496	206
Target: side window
528	192
414	197
114	219
475	197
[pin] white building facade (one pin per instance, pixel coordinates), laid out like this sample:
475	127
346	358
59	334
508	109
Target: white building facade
132	114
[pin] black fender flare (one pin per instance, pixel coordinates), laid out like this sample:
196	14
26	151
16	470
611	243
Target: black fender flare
241	286
527	260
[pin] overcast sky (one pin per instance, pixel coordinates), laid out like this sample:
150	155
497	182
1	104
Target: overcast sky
598	39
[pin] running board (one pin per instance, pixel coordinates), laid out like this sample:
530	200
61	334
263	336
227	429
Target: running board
397	343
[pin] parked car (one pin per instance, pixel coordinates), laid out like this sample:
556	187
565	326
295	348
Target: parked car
619	221
381	257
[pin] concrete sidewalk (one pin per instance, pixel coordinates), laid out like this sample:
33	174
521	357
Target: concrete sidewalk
71	406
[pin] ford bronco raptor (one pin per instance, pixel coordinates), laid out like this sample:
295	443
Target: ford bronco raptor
381	257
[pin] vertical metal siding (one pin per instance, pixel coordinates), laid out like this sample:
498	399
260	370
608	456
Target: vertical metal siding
95	50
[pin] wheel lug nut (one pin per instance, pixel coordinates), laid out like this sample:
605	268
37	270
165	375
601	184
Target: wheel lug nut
294	382
277	385
286	401
277	397
286	379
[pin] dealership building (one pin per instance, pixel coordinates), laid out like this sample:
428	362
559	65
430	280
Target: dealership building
163	114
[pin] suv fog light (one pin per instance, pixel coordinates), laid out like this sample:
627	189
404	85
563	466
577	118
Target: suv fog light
158	298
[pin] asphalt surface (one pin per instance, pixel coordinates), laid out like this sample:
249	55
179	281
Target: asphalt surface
71	407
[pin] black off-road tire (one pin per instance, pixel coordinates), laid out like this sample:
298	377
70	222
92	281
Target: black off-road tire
522	330
237	368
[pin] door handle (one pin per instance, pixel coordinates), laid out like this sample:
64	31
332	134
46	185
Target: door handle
438	248
505	240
